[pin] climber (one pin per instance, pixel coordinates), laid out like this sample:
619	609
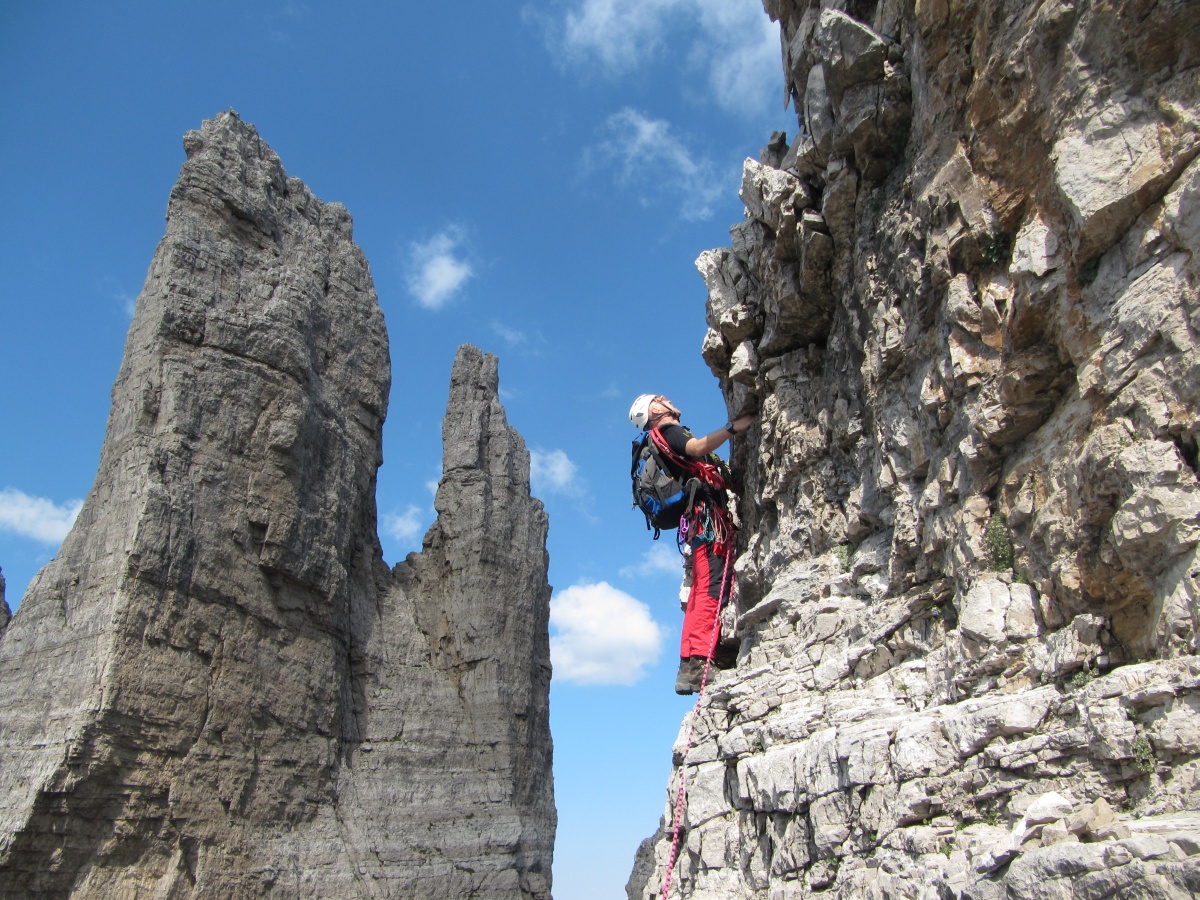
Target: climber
706	531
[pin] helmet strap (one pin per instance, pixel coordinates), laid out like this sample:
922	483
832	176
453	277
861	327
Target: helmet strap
674	410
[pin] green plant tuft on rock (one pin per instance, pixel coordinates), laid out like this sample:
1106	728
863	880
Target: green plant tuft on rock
996	544
1143	754
1080	679
843	552
996	248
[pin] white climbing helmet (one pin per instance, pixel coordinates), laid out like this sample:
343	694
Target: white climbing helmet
639	413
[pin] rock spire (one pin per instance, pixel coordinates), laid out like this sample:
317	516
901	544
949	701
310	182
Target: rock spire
218	689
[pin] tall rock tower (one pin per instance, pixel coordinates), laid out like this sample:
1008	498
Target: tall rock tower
218	689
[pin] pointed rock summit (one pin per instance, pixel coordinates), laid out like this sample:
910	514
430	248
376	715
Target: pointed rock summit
218	688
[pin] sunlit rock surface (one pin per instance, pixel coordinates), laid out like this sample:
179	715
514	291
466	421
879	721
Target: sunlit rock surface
964	299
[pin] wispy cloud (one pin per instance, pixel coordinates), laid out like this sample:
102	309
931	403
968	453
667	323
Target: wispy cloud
552	472
437	269
296	12
511	336
646	156
36	517
661	559
619	34
403	526
733	44
603	635
116	291
741	54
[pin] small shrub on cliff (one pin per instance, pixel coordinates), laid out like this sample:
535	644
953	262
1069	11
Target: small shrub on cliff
996	248
843	552
1143	754
996	544
1080	679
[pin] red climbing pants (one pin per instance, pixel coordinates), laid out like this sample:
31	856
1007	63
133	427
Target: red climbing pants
700	618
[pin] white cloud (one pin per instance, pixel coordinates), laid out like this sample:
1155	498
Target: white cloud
437	269
733	43
650	159
551	471
742	55
620	34
661	559
511	336
603	635
403	526
35	517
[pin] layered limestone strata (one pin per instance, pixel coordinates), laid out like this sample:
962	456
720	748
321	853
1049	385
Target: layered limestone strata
965	300
218	689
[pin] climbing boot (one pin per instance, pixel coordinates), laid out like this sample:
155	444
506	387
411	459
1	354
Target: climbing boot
691	670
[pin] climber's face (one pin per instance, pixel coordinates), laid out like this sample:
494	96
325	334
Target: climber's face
662	408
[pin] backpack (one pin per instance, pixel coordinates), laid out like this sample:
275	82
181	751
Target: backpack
665	484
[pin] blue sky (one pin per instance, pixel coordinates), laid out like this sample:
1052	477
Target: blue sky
534	179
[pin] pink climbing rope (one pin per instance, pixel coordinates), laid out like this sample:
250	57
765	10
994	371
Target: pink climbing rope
712	648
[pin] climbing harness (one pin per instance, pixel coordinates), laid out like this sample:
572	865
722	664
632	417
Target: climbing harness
713	525
712	649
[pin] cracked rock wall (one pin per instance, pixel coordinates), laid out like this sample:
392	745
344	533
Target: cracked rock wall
965	300
218	689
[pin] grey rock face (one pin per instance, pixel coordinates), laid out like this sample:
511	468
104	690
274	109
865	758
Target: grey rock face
463	710
218	689
968	579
